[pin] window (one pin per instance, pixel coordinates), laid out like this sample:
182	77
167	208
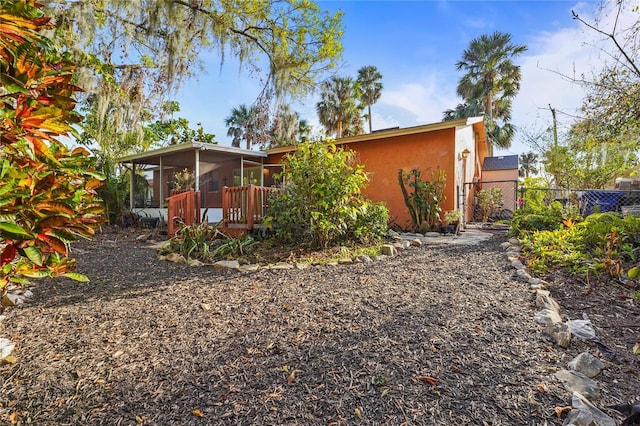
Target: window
251	176
214	182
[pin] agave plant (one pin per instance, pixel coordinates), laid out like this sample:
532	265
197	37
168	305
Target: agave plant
47	194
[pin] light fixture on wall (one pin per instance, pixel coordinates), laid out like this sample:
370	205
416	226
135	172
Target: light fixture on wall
464	154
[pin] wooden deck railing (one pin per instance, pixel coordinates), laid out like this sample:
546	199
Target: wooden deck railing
245	206
183	207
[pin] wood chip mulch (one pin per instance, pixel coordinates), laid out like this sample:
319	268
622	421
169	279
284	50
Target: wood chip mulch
440	335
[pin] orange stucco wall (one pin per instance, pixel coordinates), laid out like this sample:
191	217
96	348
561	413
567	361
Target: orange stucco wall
384	157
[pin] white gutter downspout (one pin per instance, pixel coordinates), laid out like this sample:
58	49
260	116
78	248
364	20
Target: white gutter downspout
242	170
161	183
197	170
131	185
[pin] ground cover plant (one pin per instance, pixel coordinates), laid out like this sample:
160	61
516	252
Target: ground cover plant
603	247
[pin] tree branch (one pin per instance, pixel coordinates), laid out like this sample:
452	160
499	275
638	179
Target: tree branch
611	36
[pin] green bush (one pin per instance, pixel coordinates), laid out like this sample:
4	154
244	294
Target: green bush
489	200
604	244
372	222
322	203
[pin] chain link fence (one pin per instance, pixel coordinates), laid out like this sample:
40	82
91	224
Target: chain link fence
510	196
489	201
587	201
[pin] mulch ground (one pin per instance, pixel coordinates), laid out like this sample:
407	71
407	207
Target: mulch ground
440	335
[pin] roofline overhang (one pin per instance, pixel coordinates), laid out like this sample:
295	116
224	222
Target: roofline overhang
393	133
187	146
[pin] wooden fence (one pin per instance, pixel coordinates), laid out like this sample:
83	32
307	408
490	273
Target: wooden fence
244	206
183	207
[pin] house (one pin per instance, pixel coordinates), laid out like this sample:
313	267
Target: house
458	147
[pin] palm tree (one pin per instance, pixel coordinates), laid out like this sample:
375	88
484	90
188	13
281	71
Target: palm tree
241	125
493	80
472	108
337	110
304	130
370	85
528	164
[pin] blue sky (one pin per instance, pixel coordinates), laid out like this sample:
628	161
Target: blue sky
415	45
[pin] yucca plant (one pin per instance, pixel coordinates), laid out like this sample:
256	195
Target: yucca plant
47	194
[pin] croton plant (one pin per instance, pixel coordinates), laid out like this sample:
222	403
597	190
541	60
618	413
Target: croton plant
47	192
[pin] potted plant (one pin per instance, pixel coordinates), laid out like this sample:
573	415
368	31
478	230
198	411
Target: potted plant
451	222
183	181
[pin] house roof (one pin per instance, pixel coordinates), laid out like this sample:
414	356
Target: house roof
182	155
394	132
505	162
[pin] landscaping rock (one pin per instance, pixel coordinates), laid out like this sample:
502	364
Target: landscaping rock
249	268
523	275
345	261
578	382
12	299
226	264
416	242
517	264
545	301
514	241
388	250
586	364
281	266
585	409
505	245
432	234
547	316
302	266
535	281
363	258
560	333
582	329
536	285
6	347
195	263
176	257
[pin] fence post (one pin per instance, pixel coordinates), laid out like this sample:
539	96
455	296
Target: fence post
250	206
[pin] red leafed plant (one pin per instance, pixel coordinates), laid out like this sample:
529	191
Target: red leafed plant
47	194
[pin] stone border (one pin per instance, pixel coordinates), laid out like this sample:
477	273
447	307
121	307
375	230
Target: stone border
400	242
578	378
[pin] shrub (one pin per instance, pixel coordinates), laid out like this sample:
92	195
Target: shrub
48	194
489	201
604	243
322	203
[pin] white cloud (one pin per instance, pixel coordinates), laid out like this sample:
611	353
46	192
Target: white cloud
418	102
552	60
